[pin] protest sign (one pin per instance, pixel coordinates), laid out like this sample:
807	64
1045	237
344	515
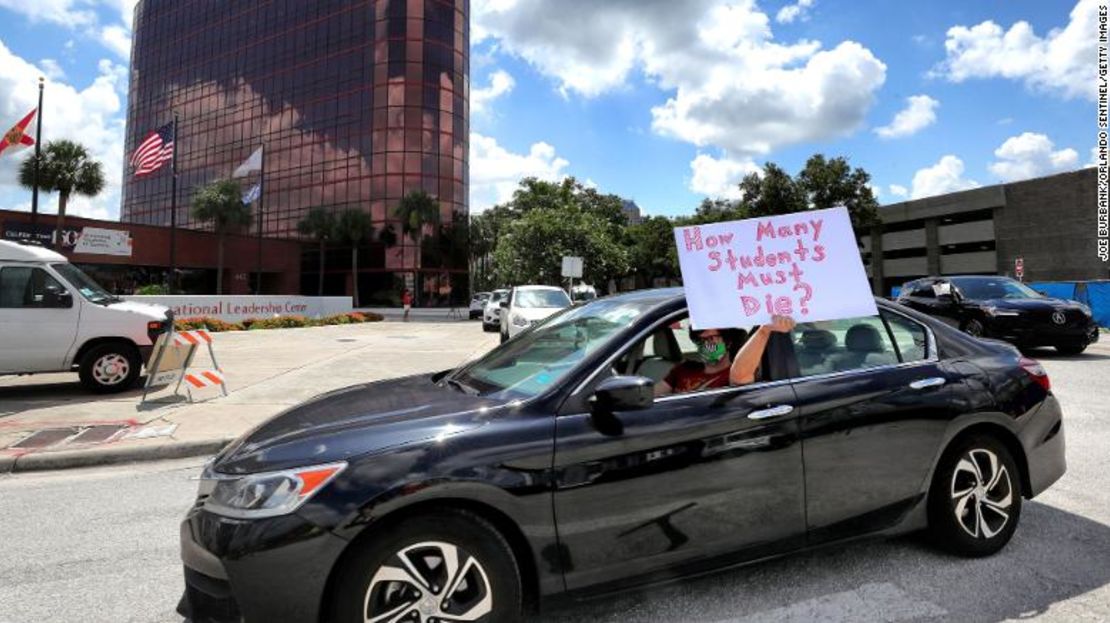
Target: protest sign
806	265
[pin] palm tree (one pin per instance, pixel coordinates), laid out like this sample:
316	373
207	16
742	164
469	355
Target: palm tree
319	224
64	167
221	203
354	226
416	210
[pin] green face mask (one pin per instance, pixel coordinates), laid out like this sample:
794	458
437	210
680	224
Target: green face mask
711	353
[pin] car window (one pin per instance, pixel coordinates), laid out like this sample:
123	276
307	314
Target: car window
842	345
541	298
23	287
924	291
910	337
539	358
984	288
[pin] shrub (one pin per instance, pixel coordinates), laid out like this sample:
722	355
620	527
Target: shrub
281	322
214	325
154	289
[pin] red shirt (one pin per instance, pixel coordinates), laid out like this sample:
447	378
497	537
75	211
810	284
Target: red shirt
690	376
406	298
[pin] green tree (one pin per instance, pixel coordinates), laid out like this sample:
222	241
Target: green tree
355	227
532	247
65	167
319	224
652	251
416	210
221	204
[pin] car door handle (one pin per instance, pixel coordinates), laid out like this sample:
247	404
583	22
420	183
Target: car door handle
763	414
935	381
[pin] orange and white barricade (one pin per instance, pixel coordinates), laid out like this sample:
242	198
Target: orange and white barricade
172	360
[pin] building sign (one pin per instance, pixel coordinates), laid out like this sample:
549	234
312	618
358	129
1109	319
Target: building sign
41	234
806	265
97	241
235	308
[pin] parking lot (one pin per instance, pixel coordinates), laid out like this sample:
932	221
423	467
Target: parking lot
101	544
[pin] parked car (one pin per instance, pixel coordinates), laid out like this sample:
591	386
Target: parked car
478	304
546	469
54	318
1003	308
491	316
527	305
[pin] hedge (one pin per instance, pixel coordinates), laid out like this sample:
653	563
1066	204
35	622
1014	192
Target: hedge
281	322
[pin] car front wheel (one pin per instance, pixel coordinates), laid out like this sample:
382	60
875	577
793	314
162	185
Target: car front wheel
974	328
447	567
110	368
975	498
1070	349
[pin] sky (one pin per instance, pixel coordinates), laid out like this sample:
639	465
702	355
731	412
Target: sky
667	102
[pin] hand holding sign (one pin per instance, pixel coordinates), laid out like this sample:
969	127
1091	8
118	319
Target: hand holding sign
804	265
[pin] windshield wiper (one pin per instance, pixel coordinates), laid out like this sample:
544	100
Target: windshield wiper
462	387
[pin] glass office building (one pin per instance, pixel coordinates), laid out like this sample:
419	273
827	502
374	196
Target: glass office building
356	104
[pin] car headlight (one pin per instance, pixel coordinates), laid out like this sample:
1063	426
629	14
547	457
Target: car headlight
268	494
998	311
1085	309
520	321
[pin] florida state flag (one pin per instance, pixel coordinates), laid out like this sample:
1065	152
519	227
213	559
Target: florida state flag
17	136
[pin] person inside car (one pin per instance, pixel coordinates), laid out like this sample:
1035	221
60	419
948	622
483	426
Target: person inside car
716	367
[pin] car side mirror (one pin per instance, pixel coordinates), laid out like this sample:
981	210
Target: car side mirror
623	393
947	299
61	299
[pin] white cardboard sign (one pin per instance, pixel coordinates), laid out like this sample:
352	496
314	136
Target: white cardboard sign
805	265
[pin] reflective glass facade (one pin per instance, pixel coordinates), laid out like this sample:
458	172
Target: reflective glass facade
356	103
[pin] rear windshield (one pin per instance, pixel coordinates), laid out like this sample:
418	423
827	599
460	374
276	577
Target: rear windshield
982	288
542	298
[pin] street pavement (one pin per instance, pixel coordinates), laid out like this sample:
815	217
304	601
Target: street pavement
101	545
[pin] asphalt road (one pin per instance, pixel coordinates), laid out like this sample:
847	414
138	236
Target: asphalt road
101	545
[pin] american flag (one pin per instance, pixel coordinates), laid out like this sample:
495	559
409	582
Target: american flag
154	151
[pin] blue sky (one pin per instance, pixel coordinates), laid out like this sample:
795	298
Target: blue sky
669	101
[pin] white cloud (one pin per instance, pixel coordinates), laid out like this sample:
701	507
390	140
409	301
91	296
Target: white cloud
732	85
117	39
876	190
1031	155
945	176
898	190
1061	62
500	83
715	177
68	13
92	115
1093	162
51	69
495	172
919	113
791	12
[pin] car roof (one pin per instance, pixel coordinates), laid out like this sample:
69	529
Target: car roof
13	252
536	287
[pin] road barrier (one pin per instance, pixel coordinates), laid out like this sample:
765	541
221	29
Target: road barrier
171	361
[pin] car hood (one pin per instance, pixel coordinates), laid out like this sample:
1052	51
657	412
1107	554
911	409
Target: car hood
153	312
536	313
1045	304
354	421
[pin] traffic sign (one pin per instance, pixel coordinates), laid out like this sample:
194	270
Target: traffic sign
572	267
1019	268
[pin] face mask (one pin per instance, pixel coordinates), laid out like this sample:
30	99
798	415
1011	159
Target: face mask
711	354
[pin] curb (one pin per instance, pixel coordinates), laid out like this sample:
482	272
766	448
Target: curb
69	459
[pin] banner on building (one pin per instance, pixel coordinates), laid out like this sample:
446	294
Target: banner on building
806	265
97	241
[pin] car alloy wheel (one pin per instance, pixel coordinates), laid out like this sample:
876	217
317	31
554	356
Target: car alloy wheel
429	582
983	494
111	369
974	328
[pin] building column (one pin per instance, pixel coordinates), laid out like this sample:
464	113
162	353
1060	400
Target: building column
877	261
932	247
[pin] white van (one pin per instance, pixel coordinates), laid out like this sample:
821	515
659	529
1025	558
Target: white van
54	318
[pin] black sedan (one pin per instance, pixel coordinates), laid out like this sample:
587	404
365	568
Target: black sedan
1005	309
546	470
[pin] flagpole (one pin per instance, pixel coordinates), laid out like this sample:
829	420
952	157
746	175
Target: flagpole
173	211
261	194
35	169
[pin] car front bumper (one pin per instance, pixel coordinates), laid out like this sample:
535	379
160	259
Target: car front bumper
254	570
1024	335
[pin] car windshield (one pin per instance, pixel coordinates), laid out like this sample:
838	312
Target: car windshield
88	288
541	298
539	358
983	288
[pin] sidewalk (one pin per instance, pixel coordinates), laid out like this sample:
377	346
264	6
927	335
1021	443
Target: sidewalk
267	372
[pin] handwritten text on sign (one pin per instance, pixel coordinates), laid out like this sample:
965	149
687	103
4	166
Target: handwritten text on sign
805	265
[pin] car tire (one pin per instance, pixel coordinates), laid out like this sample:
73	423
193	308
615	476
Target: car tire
504	337
1070	349
488	328
975	497
974	328
378	576
110	368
